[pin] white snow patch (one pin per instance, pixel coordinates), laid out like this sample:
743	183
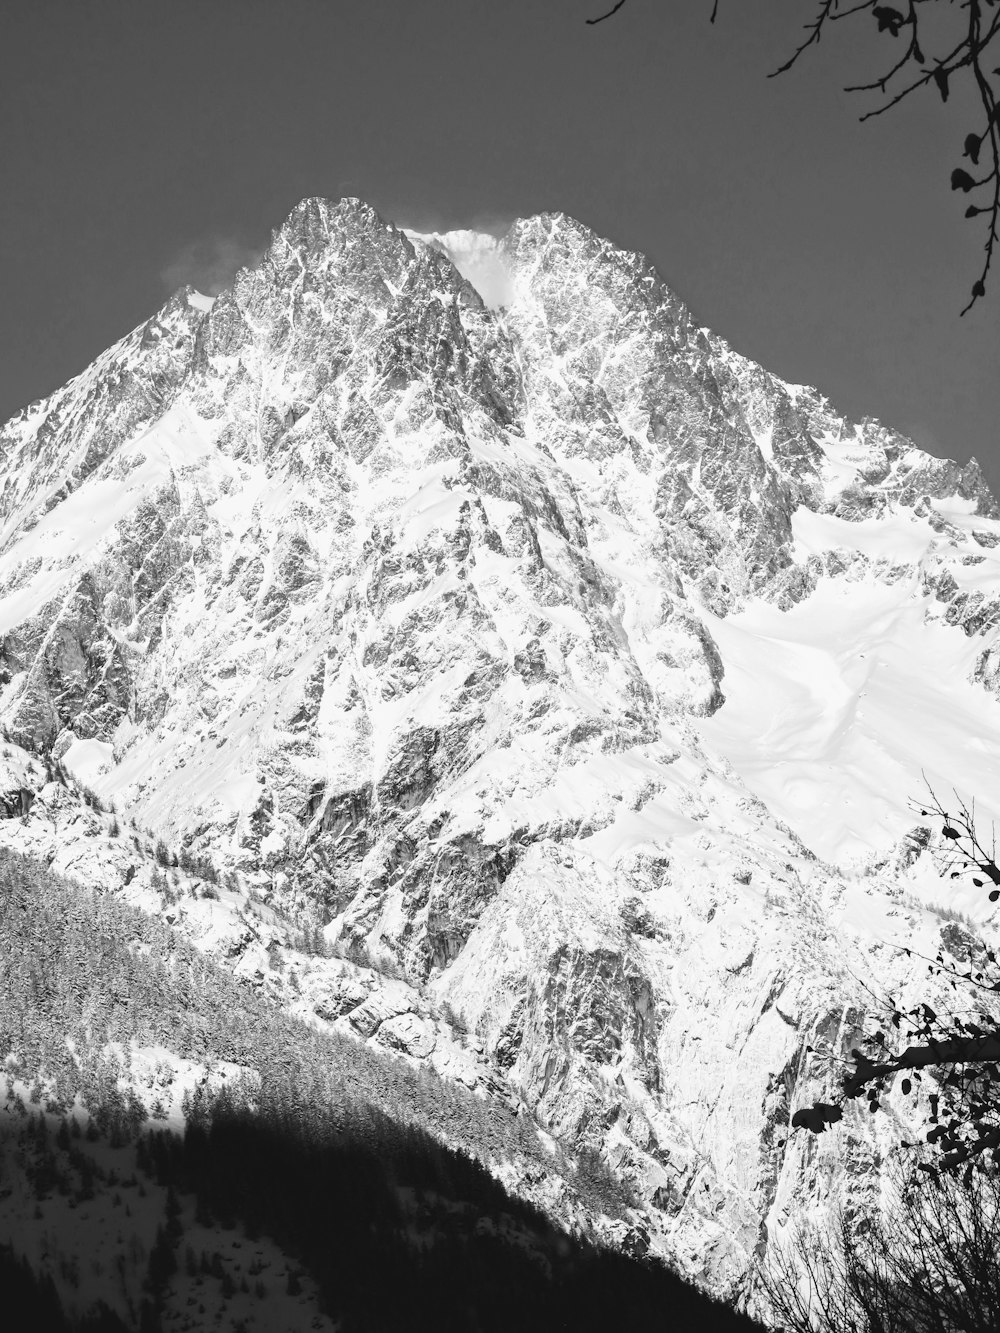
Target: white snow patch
478	258
87	760
835	708
764	441
960	513
898	537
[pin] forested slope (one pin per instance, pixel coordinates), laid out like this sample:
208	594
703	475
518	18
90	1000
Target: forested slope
175	1151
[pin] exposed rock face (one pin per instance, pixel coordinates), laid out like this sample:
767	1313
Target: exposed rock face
410	608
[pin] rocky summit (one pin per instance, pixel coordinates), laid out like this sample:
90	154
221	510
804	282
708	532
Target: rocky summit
564	676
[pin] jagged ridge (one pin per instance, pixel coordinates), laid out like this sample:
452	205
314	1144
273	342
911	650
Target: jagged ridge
411	612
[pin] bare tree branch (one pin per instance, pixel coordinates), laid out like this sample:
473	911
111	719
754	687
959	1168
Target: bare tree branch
960	1055
927	1261
815	31
980	24
966	54
613	10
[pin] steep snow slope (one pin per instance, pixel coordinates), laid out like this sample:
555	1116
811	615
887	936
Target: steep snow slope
477	256
840	710
535	653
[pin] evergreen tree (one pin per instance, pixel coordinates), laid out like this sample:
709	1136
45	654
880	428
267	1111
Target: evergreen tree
162	1263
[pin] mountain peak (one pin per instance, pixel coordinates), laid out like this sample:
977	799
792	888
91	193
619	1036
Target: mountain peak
555	663
317	224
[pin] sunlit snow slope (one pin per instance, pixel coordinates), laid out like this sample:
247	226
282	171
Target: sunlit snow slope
843	709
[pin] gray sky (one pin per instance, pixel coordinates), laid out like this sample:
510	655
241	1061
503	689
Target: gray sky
149	143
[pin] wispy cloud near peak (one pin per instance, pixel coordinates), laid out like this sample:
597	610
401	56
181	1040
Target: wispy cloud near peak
209	264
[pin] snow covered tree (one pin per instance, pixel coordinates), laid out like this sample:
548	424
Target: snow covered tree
937	44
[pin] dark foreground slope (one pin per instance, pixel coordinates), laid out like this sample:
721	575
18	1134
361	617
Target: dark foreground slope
304	1179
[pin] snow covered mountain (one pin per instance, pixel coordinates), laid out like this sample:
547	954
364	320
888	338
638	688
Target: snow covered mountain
465	601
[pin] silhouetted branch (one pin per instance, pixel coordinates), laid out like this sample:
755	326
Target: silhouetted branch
927	1261
961	1055
967	851
966	54
815	31
613	10
976	35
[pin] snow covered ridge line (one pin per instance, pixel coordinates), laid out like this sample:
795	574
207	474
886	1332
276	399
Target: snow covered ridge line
560	663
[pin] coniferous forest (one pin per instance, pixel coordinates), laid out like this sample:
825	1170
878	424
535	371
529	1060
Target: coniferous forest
313	1147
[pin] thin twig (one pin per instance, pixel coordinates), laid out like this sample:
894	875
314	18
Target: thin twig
966	54
815	31
601	17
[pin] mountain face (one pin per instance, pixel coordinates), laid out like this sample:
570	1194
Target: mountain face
565	673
